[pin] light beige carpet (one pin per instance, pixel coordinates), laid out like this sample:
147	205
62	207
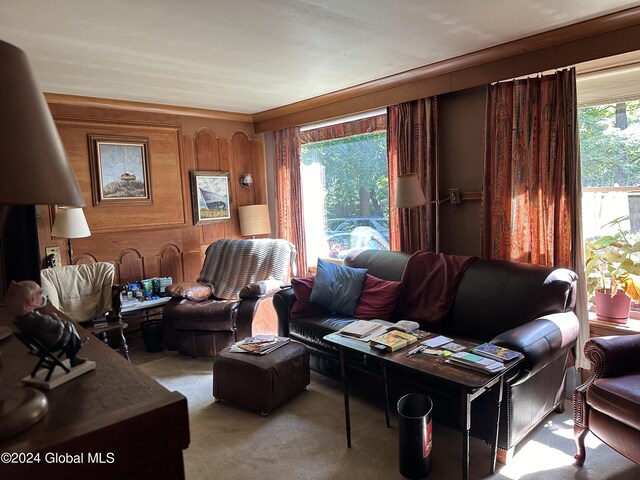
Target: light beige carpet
305	438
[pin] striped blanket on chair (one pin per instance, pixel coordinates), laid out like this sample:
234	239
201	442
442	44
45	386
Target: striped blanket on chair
230	264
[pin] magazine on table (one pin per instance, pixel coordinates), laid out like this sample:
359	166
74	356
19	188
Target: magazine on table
475	362
261	348
495	352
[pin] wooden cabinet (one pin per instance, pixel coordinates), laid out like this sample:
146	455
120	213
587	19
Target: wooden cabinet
112	422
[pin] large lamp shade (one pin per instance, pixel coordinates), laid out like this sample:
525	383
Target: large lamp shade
35	165
409	191
254	220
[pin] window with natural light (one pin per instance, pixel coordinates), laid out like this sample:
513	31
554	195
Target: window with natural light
345	194
610	164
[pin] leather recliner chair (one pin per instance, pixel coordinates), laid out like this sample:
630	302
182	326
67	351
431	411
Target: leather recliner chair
608	403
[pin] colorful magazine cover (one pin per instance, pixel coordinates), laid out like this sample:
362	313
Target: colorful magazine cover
495	352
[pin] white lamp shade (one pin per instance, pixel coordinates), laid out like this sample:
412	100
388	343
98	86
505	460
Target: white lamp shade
70	223
254	220
409	191
36	170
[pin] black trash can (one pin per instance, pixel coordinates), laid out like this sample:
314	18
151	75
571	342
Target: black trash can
152	335
415	430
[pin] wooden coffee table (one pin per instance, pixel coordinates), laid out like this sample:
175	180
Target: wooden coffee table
468	383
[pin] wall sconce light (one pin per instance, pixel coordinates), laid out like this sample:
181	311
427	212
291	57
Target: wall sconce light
246	180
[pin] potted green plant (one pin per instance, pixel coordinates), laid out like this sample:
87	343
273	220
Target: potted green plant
613	272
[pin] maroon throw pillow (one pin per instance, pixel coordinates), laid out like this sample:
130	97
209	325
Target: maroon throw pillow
303	306
378	299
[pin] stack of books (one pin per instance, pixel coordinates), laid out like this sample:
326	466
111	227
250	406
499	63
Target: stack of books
392	340
259	344
475	362
361	329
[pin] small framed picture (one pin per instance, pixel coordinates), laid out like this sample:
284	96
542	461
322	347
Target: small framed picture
119	169
210	196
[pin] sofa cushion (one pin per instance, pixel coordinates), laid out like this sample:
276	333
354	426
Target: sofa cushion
378	299
618	397
313	328
337	288
303	306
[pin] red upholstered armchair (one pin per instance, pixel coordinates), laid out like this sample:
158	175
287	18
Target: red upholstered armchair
608	403
238	304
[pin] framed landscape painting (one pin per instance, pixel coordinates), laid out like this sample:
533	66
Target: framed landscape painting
210	195
119	169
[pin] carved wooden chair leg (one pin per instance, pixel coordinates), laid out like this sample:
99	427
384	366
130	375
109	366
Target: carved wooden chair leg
578	434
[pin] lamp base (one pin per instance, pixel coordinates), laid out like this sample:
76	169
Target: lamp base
21	408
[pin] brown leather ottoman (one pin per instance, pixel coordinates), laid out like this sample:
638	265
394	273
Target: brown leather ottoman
261	382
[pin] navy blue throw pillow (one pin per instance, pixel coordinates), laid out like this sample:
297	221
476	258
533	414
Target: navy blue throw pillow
337	288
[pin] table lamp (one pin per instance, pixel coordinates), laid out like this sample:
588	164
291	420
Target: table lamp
254	220
70	223
36	171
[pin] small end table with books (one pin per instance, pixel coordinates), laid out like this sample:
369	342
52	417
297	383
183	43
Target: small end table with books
468	383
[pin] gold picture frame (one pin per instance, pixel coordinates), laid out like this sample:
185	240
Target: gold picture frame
120	170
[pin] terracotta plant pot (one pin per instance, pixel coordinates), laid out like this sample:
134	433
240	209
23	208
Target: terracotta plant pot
612	309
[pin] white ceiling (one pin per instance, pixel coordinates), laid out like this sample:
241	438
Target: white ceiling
252	55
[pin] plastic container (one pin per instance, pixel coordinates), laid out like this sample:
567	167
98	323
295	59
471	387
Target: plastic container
152	335
416	435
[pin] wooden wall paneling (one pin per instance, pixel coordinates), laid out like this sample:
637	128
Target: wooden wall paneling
260	169
83	258
140	112
167	207
131	239
208	157
150	266
170	260
227	164
130	267
206	148
242	163
192	264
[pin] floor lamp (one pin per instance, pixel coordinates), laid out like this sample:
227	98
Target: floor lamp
40	174
409	193
70	223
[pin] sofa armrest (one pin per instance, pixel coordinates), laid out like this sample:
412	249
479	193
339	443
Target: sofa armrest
610	357
541	340
283	303
244	317
613	356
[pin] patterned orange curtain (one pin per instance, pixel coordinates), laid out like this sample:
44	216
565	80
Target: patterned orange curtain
412	147
288	191
530	169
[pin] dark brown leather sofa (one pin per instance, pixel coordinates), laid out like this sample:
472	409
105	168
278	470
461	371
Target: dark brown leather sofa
608	403
520	306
